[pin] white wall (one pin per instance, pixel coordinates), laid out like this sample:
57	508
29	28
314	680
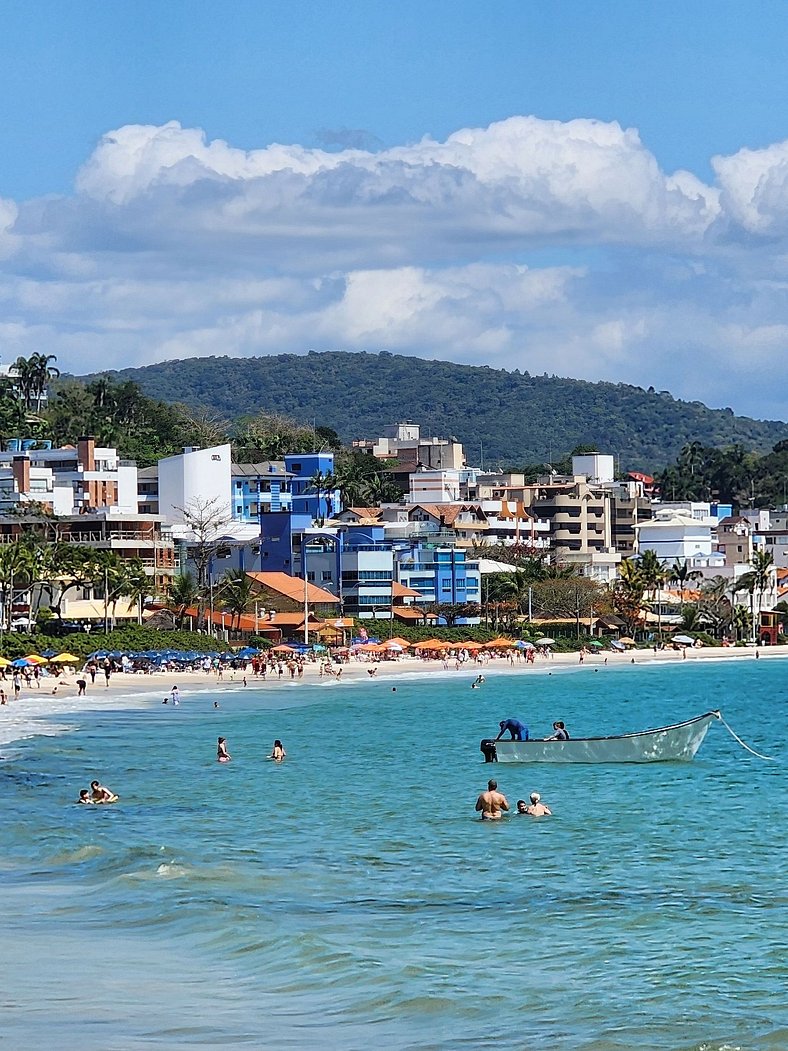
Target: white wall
197	475
597	467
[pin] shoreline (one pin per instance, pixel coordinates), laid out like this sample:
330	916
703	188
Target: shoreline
28	715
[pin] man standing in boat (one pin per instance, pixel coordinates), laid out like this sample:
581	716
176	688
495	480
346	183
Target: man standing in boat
492	803
516	729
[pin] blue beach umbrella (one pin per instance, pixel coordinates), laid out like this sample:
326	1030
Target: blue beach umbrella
20	662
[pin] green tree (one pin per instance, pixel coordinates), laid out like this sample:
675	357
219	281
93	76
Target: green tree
236	595
653	575
184	592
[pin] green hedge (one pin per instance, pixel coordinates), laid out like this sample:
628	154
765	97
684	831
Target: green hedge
132	637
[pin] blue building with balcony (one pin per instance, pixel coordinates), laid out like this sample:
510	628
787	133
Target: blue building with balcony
442	575
259	488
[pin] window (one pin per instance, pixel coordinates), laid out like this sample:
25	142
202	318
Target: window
310	576
326	574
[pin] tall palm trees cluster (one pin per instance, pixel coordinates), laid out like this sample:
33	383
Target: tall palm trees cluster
32	377
234	594
38	574
714	607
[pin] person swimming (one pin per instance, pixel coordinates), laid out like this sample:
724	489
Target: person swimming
101	794
222	755
536	809
84	796
278	752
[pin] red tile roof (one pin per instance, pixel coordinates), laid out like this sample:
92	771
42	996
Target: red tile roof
293	588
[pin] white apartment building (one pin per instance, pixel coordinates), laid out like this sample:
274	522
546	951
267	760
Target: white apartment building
70	480
195	476
678	535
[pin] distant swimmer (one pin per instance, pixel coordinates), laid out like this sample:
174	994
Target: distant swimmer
101	794
175	695
222	755
84	796
536	808
515	728
216	704
560	732
491	803
477	682
278	752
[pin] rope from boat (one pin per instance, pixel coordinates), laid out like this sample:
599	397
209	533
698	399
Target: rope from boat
735	736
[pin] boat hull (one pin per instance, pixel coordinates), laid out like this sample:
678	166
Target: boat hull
677	743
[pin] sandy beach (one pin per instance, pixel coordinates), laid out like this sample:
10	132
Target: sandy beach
30	714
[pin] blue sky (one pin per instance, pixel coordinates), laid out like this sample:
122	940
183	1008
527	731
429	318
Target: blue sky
490	181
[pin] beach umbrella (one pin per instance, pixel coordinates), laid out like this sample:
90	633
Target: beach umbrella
283	649
401	642
523	645
498	644
64	658
20	662
626	641
683	640
473	645
545	642
5	662
431	644
34	658
596	644
393	647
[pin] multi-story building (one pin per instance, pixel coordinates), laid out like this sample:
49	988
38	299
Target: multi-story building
195	478
130	536
678	535
441	575
259	488
311	487
69	480
403	442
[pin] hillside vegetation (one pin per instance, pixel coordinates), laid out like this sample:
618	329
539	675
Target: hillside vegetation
519	418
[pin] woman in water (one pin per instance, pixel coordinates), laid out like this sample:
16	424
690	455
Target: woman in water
222	755
277	752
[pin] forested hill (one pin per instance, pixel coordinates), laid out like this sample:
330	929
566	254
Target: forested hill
519	418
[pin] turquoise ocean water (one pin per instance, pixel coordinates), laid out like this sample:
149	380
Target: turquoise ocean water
349	898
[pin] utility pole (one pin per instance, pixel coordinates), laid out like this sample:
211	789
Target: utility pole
306	589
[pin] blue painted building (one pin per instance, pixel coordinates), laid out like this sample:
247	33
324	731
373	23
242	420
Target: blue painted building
308	497
259	488
440	574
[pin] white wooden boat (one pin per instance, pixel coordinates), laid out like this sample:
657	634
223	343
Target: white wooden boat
678	742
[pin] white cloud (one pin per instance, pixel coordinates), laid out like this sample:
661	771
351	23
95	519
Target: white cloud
542	245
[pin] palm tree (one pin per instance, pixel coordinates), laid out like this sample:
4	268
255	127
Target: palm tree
24	373
653	574
184	591
323	483
680	573
41	373
628	593
236	595
756	582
